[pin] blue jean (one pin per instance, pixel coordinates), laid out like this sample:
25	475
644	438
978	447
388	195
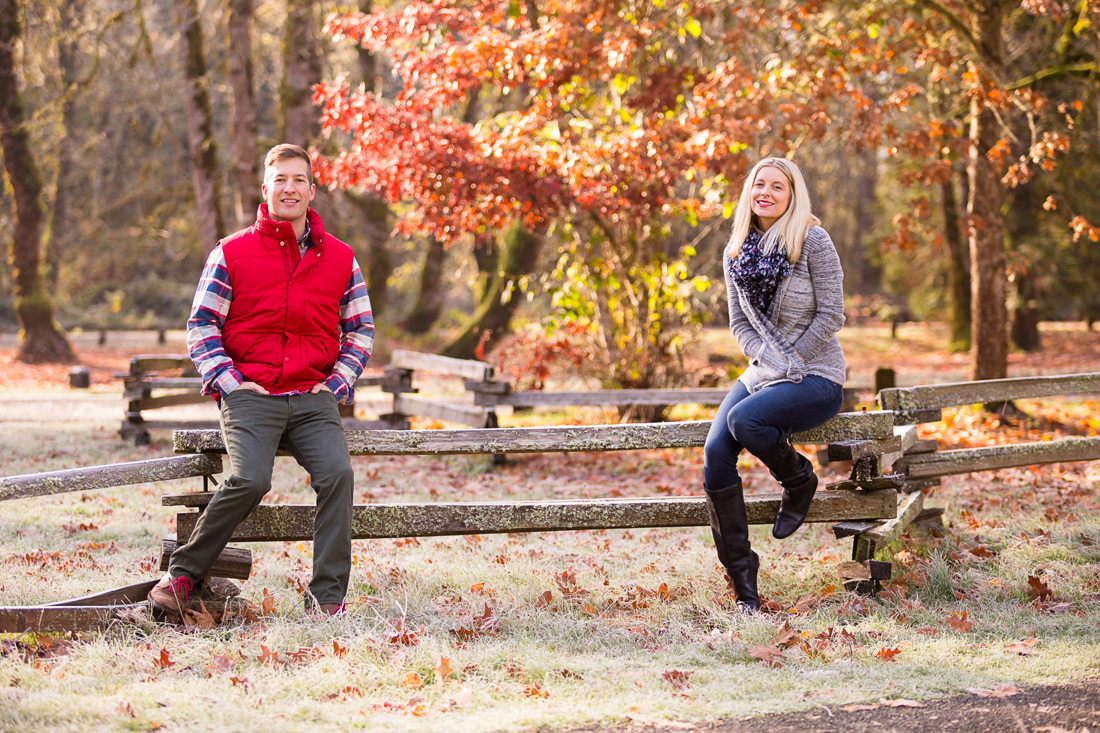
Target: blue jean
757	422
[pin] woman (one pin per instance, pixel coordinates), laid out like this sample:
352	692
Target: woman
786	305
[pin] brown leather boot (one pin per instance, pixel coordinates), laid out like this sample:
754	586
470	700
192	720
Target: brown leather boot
169	596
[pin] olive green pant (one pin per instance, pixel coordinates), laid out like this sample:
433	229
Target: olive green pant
255	426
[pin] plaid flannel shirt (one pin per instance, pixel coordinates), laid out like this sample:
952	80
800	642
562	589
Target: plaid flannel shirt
211	307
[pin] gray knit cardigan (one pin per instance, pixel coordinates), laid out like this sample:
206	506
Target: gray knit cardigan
798	334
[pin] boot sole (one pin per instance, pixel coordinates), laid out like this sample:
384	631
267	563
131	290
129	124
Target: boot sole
165	613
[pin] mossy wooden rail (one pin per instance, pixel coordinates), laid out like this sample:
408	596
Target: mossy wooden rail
156	381
866	498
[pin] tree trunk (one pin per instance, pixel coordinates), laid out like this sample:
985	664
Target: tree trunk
200	136
429	302
868	275
958	272
1023	233
377	217
246	168
493	314
301	122
989	339
41	339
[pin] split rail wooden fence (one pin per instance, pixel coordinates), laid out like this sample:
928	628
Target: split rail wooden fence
882	496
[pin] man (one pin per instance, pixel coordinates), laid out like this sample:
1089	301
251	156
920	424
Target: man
280	329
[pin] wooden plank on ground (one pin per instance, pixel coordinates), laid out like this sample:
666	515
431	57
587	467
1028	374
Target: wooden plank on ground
605	397
126	595
233	562
990	390
406	404
101	477
39	619
377	521
991	458
566	438
466	368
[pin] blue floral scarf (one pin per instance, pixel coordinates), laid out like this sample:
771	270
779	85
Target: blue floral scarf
758	274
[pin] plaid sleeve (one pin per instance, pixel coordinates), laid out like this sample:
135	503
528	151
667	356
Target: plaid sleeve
357	341
204	328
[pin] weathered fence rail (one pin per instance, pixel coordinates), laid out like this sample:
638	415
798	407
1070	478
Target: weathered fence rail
891	466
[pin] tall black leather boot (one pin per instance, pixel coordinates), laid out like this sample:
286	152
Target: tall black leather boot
730	527
795	474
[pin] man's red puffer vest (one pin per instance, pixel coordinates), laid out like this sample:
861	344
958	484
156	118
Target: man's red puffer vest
283	327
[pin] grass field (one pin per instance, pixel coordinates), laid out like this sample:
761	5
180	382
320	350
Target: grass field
557	630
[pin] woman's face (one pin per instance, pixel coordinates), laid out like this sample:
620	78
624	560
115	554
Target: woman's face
771	195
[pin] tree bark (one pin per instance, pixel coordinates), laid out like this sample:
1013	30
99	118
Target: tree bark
493	314
377	216
429	302
246	168
989	339
41	339
1023	230
958	270
60	231
868	275
200	136
301	122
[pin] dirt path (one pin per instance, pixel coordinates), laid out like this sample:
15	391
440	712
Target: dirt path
1052	709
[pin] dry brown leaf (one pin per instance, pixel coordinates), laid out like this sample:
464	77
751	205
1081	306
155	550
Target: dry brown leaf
959	621
413	680
1024	647
1037	589
857	706
999	690
163	661
903	703
678	678
769	655
887	655
267	608
442	669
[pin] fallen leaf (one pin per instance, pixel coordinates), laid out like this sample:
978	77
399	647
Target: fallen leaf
533	690
163	661
678	678
267	656
887	655
221	664
1038	589
200	618
339	651
769	655
856	707
267	608
1000	690
903	703
958	621
413	680
126	709
1024	647
544	599
785	636
442	669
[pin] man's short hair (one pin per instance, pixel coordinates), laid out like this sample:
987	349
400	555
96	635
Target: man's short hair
287	151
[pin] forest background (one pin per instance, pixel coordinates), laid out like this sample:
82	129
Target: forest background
572	161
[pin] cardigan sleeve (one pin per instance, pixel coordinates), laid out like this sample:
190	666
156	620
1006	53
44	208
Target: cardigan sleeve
827	277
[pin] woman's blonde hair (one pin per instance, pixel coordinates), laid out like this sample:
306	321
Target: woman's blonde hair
790	229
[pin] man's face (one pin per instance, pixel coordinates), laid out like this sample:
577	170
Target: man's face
288	189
